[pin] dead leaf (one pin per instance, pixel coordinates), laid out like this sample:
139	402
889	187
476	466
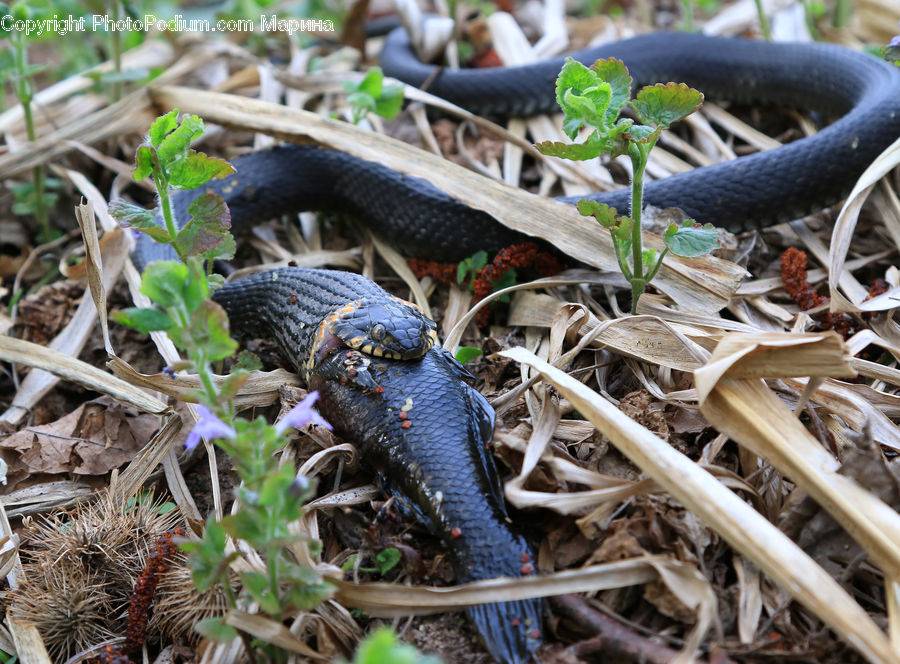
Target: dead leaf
91	440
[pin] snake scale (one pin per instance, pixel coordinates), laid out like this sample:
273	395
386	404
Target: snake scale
417	418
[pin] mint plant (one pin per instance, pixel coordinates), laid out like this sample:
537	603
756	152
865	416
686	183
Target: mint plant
271	496
594	97
371	95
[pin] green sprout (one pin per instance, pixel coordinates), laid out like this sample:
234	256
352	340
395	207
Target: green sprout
371	95
382	646
167	158
22	80
594	97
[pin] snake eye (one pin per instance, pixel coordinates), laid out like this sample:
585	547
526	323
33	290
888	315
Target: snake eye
378	332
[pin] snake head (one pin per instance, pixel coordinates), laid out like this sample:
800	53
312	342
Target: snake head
387	327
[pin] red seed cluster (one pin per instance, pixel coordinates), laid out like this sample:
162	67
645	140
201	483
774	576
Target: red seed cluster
796	284
145	588
518	256
444	273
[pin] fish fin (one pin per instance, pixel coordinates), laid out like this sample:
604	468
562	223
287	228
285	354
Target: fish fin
483	421
506	626
407	508
461	372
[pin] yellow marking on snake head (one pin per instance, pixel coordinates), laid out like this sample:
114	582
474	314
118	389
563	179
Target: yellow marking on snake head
368	349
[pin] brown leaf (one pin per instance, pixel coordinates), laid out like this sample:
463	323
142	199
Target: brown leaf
91	440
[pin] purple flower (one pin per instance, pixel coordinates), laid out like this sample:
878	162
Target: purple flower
895	40
208	426
301	415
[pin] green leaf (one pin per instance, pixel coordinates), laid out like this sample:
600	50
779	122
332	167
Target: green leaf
142	319
506	280
134	216
349	563
235	380
387	559
372	82
207	228
207	555
471	265
308	596
892	53
195	169
248	361
586	107
621	233
274	487
164	282
208	328
690	241
642	133
125	76
216	281
215	629
382	646
616	74
162	126
466	353
664	103
177	142
573	151
143	160
583	96
246	526
196	289
389	102
258	586
361	101
604	214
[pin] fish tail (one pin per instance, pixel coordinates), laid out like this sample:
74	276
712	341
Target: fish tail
511	630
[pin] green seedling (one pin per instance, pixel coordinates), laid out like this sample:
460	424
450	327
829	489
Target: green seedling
382	646
594	97
371	95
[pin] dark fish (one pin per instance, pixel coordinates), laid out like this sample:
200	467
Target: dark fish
417	421
427	431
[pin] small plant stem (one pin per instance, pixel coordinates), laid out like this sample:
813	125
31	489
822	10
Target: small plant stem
688	6
763	21
162	187
638	154
24	93
205	373
657	266
843	11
